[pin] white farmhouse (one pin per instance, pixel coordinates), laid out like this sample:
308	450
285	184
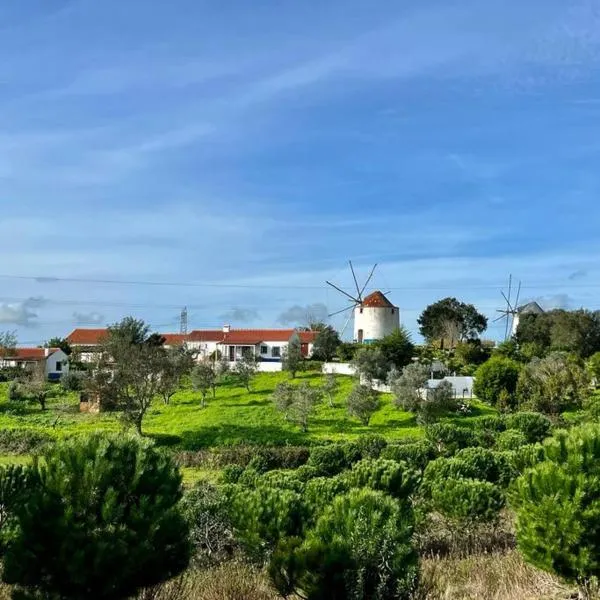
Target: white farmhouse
55	361
531	308
374	318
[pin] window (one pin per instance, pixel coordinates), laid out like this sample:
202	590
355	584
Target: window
393	311
361	310
264	349
276	352
58	366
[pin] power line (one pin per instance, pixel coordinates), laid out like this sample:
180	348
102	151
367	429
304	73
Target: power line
46	279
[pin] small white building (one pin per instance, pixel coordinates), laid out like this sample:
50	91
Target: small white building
462	387
56	362
374	318
531	308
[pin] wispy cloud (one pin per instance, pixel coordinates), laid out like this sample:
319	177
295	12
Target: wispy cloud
240	315
303	315
89	318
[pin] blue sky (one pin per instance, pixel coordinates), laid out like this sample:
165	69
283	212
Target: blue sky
248	150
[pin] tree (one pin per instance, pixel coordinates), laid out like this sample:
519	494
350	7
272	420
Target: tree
452	321
62	343
129	369
359	548
371	364
292	356
557	506
179	362
245	370
330	387
8	342
553	384
593	367
326	343
283	398
36	384
496	379
409	386
304	401
575	331
203	379
397	348
103	522
362	403
471	352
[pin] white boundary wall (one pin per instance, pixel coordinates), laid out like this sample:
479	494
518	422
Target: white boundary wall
269	367
339	368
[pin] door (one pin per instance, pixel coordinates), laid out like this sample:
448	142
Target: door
360	336
231	353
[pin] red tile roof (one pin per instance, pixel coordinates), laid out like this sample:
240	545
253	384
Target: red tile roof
27	354
254	336
377	300
206	335
308	337
86	337
174	339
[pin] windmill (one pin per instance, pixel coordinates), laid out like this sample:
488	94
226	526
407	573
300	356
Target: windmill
354	301
511	310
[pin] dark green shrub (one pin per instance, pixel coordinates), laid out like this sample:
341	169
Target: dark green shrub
416	454
495	377
535	426
264	516
10	373
333	459
249	477
511	439
232	473
73	381
16	483
211	533
260	463
360	548
371	446
23	441
447	439
306	473
496	423
391	477
557	504
104	517
13	392
467	500
320	492
285	480
525	457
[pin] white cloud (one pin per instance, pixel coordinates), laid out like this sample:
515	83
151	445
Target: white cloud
23	314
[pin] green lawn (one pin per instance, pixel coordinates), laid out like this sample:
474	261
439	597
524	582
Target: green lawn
234	416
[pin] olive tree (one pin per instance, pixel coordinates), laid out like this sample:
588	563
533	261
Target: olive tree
102	522
245	370
330	387
362	403
292	356
203	379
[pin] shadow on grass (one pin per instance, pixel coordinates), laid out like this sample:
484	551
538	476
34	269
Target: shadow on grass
19	408
229	435
164	439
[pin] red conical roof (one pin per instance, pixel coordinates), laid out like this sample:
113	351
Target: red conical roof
377	300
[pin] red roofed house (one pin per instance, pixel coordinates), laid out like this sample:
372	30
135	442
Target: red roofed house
267	345
56	362
375	318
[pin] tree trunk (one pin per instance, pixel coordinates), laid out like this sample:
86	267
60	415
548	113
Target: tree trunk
138	426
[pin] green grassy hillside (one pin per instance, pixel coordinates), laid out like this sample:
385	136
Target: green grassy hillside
234	416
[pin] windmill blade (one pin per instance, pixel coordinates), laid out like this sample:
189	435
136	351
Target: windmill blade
509	288
355	300
364	287
507	301
345	325
355	280
339	312
518	295
502	316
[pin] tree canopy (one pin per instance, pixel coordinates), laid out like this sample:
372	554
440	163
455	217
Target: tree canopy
450	321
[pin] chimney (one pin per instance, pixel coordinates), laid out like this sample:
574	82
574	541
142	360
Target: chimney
226	328
46	352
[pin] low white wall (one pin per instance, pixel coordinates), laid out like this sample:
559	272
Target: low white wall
269	367
339	368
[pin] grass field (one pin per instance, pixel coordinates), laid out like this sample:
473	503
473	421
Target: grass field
234	416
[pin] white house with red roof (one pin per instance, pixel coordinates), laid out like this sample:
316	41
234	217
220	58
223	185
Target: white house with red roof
56	362
267	345
374	318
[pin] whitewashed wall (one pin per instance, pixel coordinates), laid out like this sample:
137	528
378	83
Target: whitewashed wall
57	357
338	368
269	367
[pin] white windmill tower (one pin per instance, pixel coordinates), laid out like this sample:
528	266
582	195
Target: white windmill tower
374	315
